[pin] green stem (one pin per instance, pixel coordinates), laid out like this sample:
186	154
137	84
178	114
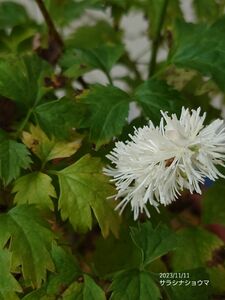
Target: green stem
109	77
131	65
24	123
52	172
43	164
156	40
162	70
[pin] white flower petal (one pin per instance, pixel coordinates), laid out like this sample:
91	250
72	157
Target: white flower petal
158	163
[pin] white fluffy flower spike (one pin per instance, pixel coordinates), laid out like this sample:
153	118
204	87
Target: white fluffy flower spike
159	162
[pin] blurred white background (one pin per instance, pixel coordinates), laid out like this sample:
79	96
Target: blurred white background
135	37
135	41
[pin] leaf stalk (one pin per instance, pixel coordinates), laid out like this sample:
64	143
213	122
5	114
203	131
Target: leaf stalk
156	39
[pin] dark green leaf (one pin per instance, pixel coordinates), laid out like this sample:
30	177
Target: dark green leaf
206	10
12	14
3	135
190	291
66	271
108	109
73	64
21	78
30	242
214	204
58	117
125	254
198	246
20	38
134	285
217	276
8	284
65	11
207	57
154	95
93	36
87	290
153	243
13	157
78	62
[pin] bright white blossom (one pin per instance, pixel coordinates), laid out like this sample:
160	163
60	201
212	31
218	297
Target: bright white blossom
159	162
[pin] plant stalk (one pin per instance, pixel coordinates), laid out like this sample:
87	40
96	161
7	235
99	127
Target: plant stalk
48	20
23	124
156	40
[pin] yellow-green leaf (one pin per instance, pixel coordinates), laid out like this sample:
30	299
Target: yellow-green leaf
34	188
83	189
47	149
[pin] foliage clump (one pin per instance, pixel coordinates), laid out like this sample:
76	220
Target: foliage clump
60	235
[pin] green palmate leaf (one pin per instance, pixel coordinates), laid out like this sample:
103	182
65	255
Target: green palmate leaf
34	188
207	10
78	62
206	57
8	284
157	266
153	242
103	57
65	11
47	149
154	95
13	157
125	254
74	64
202	242
108	109
86	290
58	117
134	285
189	291
217	276
21	78
20	38
83	189
213	204
93	36
12	14
30	242
66	272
